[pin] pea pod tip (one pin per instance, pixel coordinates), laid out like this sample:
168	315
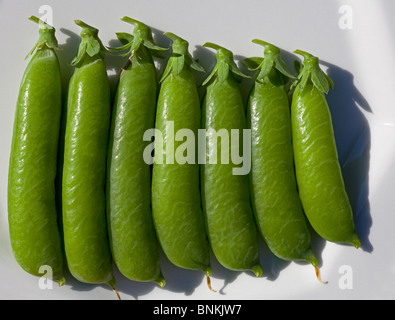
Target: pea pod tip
209	283
61	281
318	275
257	270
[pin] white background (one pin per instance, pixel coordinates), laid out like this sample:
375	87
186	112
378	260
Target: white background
361	62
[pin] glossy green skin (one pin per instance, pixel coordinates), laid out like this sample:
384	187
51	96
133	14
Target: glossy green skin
318	172
32	213
226	198
83	188
176	202
275	199
132	236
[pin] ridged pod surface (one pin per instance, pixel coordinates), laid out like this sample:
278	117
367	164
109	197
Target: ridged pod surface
319	177
226	198
85	150
32	212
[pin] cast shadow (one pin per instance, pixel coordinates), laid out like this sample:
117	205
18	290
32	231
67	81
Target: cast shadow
271	264
180	280
352	135
206	58
66	54
162	41
222	274
125	287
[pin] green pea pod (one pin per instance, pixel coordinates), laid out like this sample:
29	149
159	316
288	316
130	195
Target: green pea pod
318	173
226	198
131	232
32	213
176	203
85	148
275	199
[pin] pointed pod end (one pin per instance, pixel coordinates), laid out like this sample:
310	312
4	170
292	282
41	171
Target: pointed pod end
317	273
61	281
209	284
355	241
111	284
208	273
257	269
160	281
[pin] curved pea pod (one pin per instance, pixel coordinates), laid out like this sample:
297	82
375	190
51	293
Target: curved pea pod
85	148
32	213
132	236
277	207
318	173
176	202
226	198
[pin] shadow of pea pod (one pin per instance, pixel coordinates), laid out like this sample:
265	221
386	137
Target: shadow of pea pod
128	288
162	41
114	64
180	280
271	264
352	135
221	276
68	51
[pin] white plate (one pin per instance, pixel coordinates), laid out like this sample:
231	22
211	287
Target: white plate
355	41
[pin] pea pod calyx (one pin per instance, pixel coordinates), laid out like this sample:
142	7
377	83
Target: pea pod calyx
46	36
272	67
142	35
311	71
90	45
225	63
180	57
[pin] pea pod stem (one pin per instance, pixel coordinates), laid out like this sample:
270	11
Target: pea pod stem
142	36
90	45
46	36
225	63
311	72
